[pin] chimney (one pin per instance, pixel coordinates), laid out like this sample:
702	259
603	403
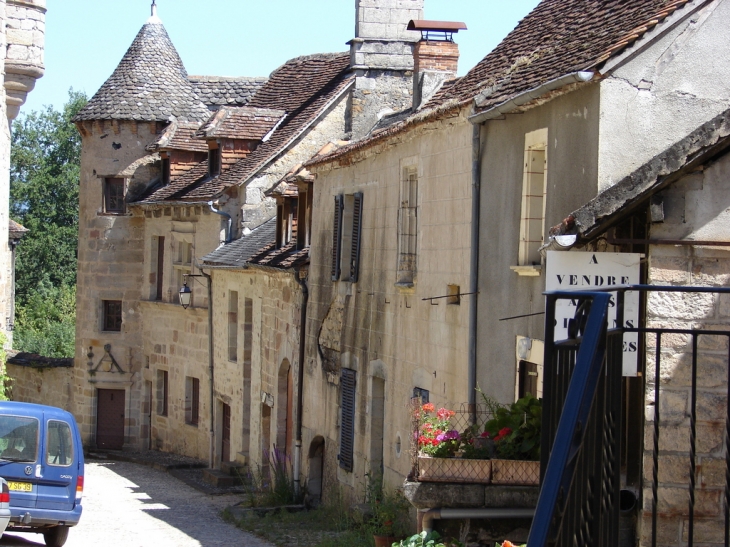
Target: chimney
435	57
381	56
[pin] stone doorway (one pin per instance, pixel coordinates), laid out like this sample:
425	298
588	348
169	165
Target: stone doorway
110	419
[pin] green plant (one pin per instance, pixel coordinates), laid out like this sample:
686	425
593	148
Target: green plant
4	378
476	444
388	509
272	485
426	539
515	429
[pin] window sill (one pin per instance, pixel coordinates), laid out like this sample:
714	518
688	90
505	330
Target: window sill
191	424
527	271
120	214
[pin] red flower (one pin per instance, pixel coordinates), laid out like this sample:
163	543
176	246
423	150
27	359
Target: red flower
502	434
428	407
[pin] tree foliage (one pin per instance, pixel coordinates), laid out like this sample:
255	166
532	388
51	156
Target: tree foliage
44	191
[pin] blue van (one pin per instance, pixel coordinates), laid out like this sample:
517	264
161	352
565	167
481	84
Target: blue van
42	460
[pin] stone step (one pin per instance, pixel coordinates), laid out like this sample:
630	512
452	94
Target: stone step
235	469
219	479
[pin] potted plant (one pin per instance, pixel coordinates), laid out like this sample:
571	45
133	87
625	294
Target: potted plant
426	539
388	513
515	430
445	455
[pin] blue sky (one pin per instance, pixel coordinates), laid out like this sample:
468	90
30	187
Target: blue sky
85	39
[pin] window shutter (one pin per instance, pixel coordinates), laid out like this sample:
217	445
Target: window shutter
356	237
348	382
337	237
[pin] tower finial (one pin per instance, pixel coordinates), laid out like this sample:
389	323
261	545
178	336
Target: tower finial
154	8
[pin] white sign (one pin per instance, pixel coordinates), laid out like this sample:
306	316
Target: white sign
573	271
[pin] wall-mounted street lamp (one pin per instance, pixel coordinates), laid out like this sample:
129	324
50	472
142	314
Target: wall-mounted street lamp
186	292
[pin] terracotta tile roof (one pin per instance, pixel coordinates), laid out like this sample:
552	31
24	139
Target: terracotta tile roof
243	122
217	91
558	37
303	87
149	84
238	252
179	185
16	230
180	136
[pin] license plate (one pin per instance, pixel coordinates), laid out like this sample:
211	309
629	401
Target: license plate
20	486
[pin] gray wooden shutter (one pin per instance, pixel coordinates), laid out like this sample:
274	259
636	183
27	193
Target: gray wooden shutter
348	382
337	237
356	237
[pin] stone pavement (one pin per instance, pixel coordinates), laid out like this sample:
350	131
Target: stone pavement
132	505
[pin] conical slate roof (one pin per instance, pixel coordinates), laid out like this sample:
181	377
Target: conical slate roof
150	84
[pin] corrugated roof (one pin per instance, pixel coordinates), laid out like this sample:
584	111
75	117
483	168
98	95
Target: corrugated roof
240	123
149	84
217	91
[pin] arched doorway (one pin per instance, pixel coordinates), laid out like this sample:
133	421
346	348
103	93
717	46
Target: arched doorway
316	471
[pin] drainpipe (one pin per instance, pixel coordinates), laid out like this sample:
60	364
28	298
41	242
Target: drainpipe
211	367
300	382
229	231
475	513
474	265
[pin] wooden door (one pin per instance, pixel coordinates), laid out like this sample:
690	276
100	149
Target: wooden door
226	437
110	419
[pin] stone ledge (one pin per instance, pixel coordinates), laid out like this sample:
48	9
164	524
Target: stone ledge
428	495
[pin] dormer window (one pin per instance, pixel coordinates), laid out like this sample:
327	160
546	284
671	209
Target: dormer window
165	170
286	221
214	162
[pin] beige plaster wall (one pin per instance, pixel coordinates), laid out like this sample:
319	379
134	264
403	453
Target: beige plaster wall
696	207
383	331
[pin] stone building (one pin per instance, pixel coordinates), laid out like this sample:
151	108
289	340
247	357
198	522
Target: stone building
174	167
22	37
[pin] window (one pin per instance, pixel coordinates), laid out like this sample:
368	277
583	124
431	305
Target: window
247	332
233	326
111	315
162	392
286	221
347	423
408	226
528	379
346	237
214	162
59	445
114	196
420	393
192	400
532	217
304	216
165	170
158	250
19	441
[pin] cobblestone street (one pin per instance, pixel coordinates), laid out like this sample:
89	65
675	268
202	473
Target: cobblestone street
131	505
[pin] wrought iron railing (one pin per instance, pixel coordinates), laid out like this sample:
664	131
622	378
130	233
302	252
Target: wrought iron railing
582	417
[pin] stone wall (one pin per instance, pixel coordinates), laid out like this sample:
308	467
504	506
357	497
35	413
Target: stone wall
696	207
387	332
46	386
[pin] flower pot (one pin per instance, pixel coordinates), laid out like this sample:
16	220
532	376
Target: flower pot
454	470
384	541
517	472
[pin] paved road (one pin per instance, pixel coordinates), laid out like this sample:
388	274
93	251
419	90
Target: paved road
130	505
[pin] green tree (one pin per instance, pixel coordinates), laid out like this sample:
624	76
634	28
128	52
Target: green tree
44	190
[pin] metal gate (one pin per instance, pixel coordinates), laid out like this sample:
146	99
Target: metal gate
110	419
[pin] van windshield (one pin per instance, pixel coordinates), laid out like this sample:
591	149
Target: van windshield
18	438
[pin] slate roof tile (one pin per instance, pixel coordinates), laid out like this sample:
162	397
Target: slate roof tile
238	252
285	258
178	185
149	84
241	123
217	91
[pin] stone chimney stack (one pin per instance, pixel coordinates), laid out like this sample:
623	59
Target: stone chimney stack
435	57
381	55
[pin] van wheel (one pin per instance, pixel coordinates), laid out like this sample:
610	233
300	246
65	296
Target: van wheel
56	536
